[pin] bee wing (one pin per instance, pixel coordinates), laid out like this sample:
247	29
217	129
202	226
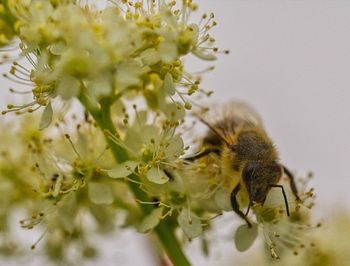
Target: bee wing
225	120
241	112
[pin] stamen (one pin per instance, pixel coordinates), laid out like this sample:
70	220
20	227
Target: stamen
13	90
15	63
39	239
17	81
72	144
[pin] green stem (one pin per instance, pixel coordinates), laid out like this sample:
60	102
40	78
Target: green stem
164	232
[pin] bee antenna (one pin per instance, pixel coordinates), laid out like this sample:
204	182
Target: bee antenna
214	130
284	196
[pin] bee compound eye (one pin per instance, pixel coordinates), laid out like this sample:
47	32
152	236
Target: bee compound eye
249	170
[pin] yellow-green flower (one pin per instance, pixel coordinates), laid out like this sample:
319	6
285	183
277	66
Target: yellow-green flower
121	51
7	24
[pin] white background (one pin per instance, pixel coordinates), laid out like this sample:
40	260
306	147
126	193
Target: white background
291	61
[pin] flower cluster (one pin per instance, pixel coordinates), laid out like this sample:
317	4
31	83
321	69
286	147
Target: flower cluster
282	233
16	178
74	171
73	177
206	192
328	246
105	59
127	49
7	24
117	156
58	179
324	246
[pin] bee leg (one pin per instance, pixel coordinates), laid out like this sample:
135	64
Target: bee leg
293	186
202	154
248	209
235	205
284	196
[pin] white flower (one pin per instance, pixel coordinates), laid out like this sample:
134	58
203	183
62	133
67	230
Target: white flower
130	50
155	149
7	24
280	231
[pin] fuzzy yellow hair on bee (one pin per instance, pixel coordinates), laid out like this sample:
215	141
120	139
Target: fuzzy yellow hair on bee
237	137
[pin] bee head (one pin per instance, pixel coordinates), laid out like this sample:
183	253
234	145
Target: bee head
259	177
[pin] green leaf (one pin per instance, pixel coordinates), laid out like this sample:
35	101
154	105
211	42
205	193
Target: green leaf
46	117
189	223
100	193
122	170
157	175
245	236
151	221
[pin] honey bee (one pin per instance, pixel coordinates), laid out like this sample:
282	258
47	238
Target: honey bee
237	135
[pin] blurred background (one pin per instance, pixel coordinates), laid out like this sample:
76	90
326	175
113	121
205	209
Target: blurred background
291	61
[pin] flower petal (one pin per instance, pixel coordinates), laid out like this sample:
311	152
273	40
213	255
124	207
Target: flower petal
68	87
101	85
169	84
168	51
157	176
168	15
151	221
189	223
175	148
57	48
174	111
203	54
100	193
245	236
150	56
222	199
46	117
123	170
128	73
